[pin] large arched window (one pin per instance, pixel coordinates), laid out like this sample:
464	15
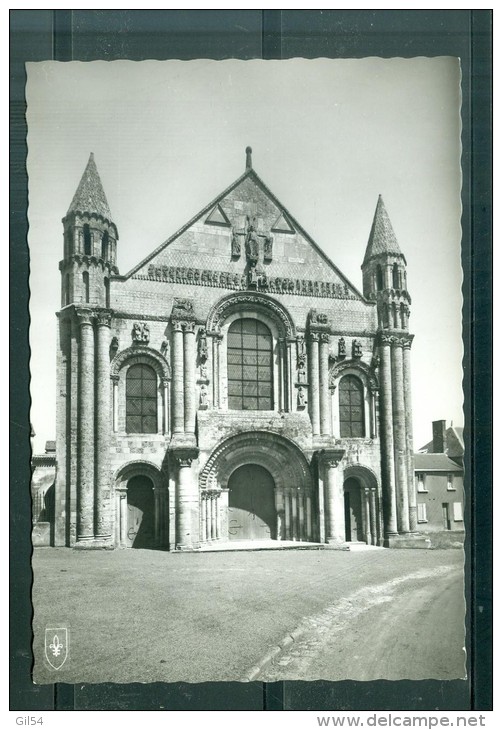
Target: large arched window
249	366
141	399
351	404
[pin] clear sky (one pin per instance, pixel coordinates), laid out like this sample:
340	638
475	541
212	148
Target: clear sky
327	135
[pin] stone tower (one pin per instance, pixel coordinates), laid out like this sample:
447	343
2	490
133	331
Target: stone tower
384	281
82	494
90	244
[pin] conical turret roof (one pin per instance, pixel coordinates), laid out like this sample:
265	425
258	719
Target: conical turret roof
382	237
90	196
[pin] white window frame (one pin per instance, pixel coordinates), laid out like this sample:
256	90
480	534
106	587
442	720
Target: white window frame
422	512
421	483
450	484
458	510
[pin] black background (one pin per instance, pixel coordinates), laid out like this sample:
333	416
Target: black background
87	35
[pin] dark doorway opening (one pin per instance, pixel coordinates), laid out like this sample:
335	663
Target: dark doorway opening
140	513
251	504
353	511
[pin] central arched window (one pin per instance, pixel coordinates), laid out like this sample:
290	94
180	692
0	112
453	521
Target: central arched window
351	404
249	366
141	399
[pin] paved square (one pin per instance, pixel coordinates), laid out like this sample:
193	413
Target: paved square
140	615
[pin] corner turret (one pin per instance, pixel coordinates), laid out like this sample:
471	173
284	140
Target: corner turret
384	273
90	244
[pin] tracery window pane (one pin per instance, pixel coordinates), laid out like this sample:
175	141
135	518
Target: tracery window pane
249	366
141	399
351	407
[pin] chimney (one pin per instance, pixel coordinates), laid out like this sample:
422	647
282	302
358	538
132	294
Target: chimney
438	437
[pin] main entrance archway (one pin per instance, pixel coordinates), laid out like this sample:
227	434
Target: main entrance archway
141	506
251	504
257	485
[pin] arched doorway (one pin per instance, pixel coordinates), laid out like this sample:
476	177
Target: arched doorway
140	531
251	504
353	511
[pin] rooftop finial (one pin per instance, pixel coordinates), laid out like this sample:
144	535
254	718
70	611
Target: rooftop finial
249	159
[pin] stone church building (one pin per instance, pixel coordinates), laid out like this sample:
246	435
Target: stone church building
233	386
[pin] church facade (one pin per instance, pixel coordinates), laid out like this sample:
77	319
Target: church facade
233	386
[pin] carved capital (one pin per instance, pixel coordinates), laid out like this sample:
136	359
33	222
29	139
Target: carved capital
185	456
104	319
115	379
85	316
407	342
178	326
324	337
314	336
330	458
385	338
189	327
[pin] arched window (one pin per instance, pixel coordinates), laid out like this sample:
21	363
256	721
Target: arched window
87	240
351	404
396	283
141	399
67	289
85	278
249	362
104	245
379	278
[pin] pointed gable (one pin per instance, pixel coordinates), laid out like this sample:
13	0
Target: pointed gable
290	259
382	238
90	196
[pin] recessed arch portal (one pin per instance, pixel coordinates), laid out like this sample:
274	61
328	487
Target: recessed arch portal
288	471
361	505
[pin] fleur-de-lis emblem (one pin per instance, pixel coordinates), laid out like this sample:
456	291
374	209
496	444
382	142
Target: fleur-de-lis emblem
56	647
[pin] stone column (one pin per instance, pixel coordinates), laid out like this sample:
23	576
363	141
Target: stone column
368	517
165	401
115	381
287	516
203	517
217	338
400	451
156	497
103	492
309	516
373	518
281	384
186	501
294	516
314	382
325	420
387	437
178	391
291	373
123	519
85	462
189	371
218	515
301	516
409	432
333	496
372	413
208	515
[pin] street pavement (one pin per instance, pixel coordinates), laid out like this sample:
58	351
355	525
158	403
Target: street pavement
140	615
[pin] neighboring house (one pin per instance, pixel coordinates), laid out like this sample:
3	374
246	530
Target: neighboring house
439	480
234	385
42	493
